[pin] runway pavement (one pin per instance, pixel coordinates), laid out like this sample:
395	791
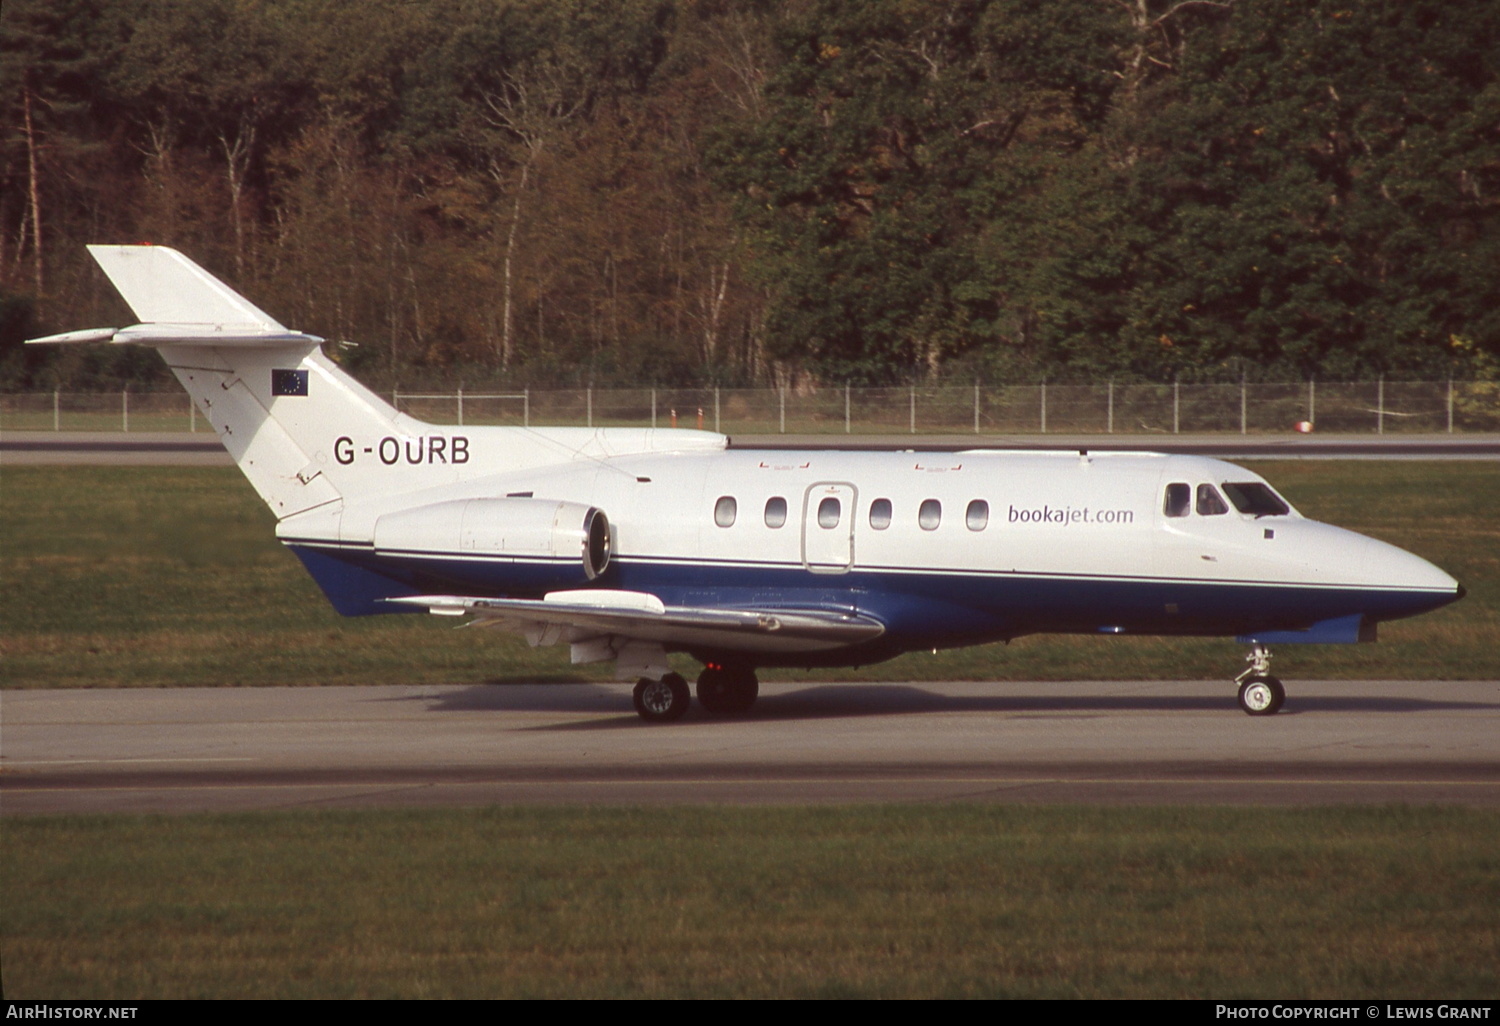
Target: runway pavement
1134	742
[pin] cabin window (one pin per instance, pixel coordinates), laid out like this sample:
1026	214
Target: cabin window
977	516
930	515
775	512
880	514
1256	499
1179	501
829	512
1210	503
725	510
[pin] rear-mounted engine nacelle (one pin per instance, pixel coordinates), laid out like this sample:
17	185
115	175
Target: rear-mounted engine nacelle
522	529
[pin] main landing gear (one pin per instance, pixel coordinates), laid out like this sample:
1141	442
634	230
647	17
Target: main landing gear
723	691
727	690
661	701
1260	693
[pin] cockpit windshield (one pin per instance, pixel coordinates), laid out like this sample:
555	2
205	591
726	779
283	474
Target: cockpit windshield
1256	499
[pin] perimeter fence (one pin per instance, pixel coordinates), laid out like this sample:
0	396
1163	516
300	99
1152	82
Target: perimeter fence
1369	407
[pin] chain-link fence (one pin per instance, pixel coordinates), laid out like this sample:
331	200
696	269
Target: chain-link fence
1370	407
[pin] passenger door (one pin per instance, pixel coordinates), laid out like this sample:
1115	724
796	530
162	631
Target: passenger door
828	527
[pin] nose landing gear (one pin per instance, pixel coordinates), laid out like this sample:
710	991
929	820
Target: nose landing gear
1260	693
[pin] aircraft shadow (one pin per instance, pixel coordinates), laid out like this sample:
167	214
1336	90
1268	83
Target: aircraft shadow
848	701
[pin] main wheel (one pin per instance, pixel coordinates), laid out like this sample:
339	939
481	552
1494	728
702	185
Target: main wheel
714	690
661	701
1262	696
727	690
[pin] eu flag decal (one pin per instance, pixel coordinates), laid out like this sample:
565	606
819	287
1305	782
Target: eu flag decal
288	382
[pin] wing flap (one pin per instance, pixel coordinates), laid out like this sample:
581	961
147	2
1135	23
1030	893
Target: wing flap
574	619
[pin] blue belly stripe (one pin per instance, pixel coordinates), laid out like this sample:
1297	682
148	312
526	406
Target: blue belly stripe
919	609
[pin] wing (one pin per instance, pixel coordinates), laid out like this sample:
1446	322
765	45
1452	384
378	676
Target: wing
577	617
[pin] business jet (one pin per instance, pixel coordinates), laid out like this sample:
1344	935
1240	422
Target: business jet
630	544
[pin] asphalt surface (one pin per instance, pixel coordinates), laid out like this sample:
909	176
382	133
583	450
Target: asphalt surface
167	449
208	749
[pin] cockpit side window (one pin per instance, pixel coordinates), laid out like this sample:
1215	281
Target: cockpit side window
1256	499
1210	502
1179	500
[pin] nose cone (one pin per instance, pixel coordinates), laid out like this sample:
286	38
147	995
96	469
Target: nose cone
1374	578
1398	568
1409	584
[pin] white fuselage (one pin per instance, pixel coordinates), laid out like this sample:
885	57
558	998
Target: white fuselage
944	548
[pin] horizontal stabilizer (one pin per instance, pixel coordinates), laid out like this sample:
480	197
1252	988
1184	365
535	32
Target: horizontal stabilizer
182	335
73	338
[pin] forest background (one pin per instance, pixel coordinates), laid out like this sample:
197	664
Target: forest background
689	192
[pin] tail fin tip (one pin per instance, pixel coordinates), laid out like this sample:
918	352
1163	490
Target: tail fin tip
161	286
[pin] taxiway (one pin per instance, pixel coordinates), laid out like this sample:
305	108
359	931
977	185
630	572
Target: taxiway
208	749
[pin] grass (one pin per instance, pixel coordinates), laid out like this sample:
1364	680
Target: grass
878	901
134	576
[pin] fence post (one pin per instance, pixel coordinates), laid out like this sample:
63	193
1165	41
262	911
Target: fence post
781	396
125	409
396	398
1176	405
1242	405
716	410
460	406
57	416
1111	406
912	423
653	408
1044	406
846	407
1380	405
526	407
976	407
588	400
1450	405
1312	401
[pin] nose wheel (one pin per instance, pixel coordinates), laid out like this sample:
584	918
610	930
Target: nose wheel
1260	693
1261	696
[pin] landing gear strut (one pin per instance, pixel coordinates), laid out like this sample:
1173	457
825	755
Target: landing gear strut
727	690
1260	693
661	701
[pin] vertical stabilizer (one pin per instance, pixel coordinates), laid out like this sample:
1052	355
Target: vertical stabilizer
162	286
271	395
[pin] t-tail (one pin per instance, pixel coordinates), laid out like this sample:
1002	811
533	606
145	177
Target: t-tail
252	378
303	431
